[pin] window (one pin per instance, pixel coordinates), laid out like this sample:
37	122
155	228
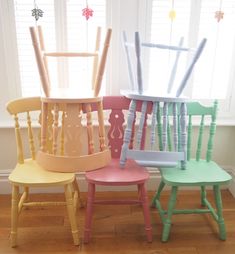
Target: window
64	28
194	20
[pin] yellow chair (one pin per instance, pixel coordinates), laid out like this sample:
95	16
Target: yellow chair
28	174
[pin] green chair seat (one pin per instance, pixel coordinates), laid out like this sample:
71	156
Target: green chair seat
198	173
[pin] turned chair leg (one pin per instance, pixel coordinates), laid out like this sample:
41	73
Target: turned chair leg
144	201
157	194
76	187
14	214
220	219
71	214
167	222
203	195
89	212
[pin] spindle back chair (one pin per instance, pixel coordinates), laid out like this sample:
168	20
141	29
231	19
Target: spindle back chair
64	108
73	123
158	157
112	175
28	174
201	170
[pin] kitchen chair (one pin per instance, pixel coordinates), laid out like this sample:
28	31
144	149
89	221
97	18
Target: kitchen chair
154	157
112	175
64	108
28	174
201	171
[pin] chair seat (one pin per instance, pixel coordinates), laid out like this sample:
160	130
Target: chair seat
30	173
113	174
197	173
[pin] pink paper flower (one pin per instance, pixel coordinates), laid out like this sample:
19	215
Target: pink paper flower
87	12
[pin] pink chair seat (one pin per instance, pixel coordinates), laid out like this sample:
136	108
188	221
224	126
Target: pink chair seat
114	175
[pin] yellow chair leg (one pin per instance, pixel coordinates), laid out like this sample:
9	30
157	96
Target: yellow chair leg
71	214
76	188
14	214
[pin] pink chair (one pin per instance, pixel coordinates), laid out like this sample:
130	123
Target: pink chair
113	175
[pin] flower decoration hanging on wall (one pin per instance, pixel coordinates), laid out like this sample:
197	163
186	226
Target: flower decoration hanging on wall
87	12
219	15
172	12
36	12
172	15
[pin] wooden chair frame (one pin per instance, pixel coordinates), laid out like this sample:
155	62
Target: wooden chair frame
69	158
28	174
112	174
99	60
178	49
200	172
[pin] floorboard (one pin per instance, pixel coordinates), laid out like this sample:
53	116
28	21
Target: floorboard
117	229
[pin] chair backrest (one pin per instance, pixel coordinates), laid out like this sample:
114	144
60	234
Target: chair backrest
64	109
160	147
118	106
199	143
206	116
28	118
138	82
69	153
99	61
26	113
77	147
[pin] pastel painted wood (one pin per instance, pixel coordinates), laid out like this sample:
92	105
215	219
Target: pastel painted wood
99	60
163	156
138	83
69	109
112	175
201	171
74	157
28	174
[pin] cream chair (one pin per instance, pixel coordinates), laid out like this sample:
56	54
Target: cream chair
68	153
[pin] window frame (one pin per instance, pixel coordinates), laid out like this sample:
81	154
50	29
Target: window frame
130	15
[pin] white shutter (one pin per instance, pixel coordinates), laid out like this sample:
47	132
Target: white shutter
166	31
195	20
76	36
81	35
213	75
30	83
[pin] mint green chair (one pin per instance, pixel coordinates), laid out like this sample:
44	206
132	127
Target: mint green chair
200	171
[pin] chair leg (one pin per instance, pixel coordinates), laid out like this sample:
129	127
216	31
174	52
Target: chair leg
76	187
71	214
167	221
203	195
144	201
157	194
220	220
14	214
23	199
89	212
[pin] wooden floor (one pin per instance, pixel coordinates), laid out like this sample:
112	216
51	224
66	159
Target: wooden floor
117	229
